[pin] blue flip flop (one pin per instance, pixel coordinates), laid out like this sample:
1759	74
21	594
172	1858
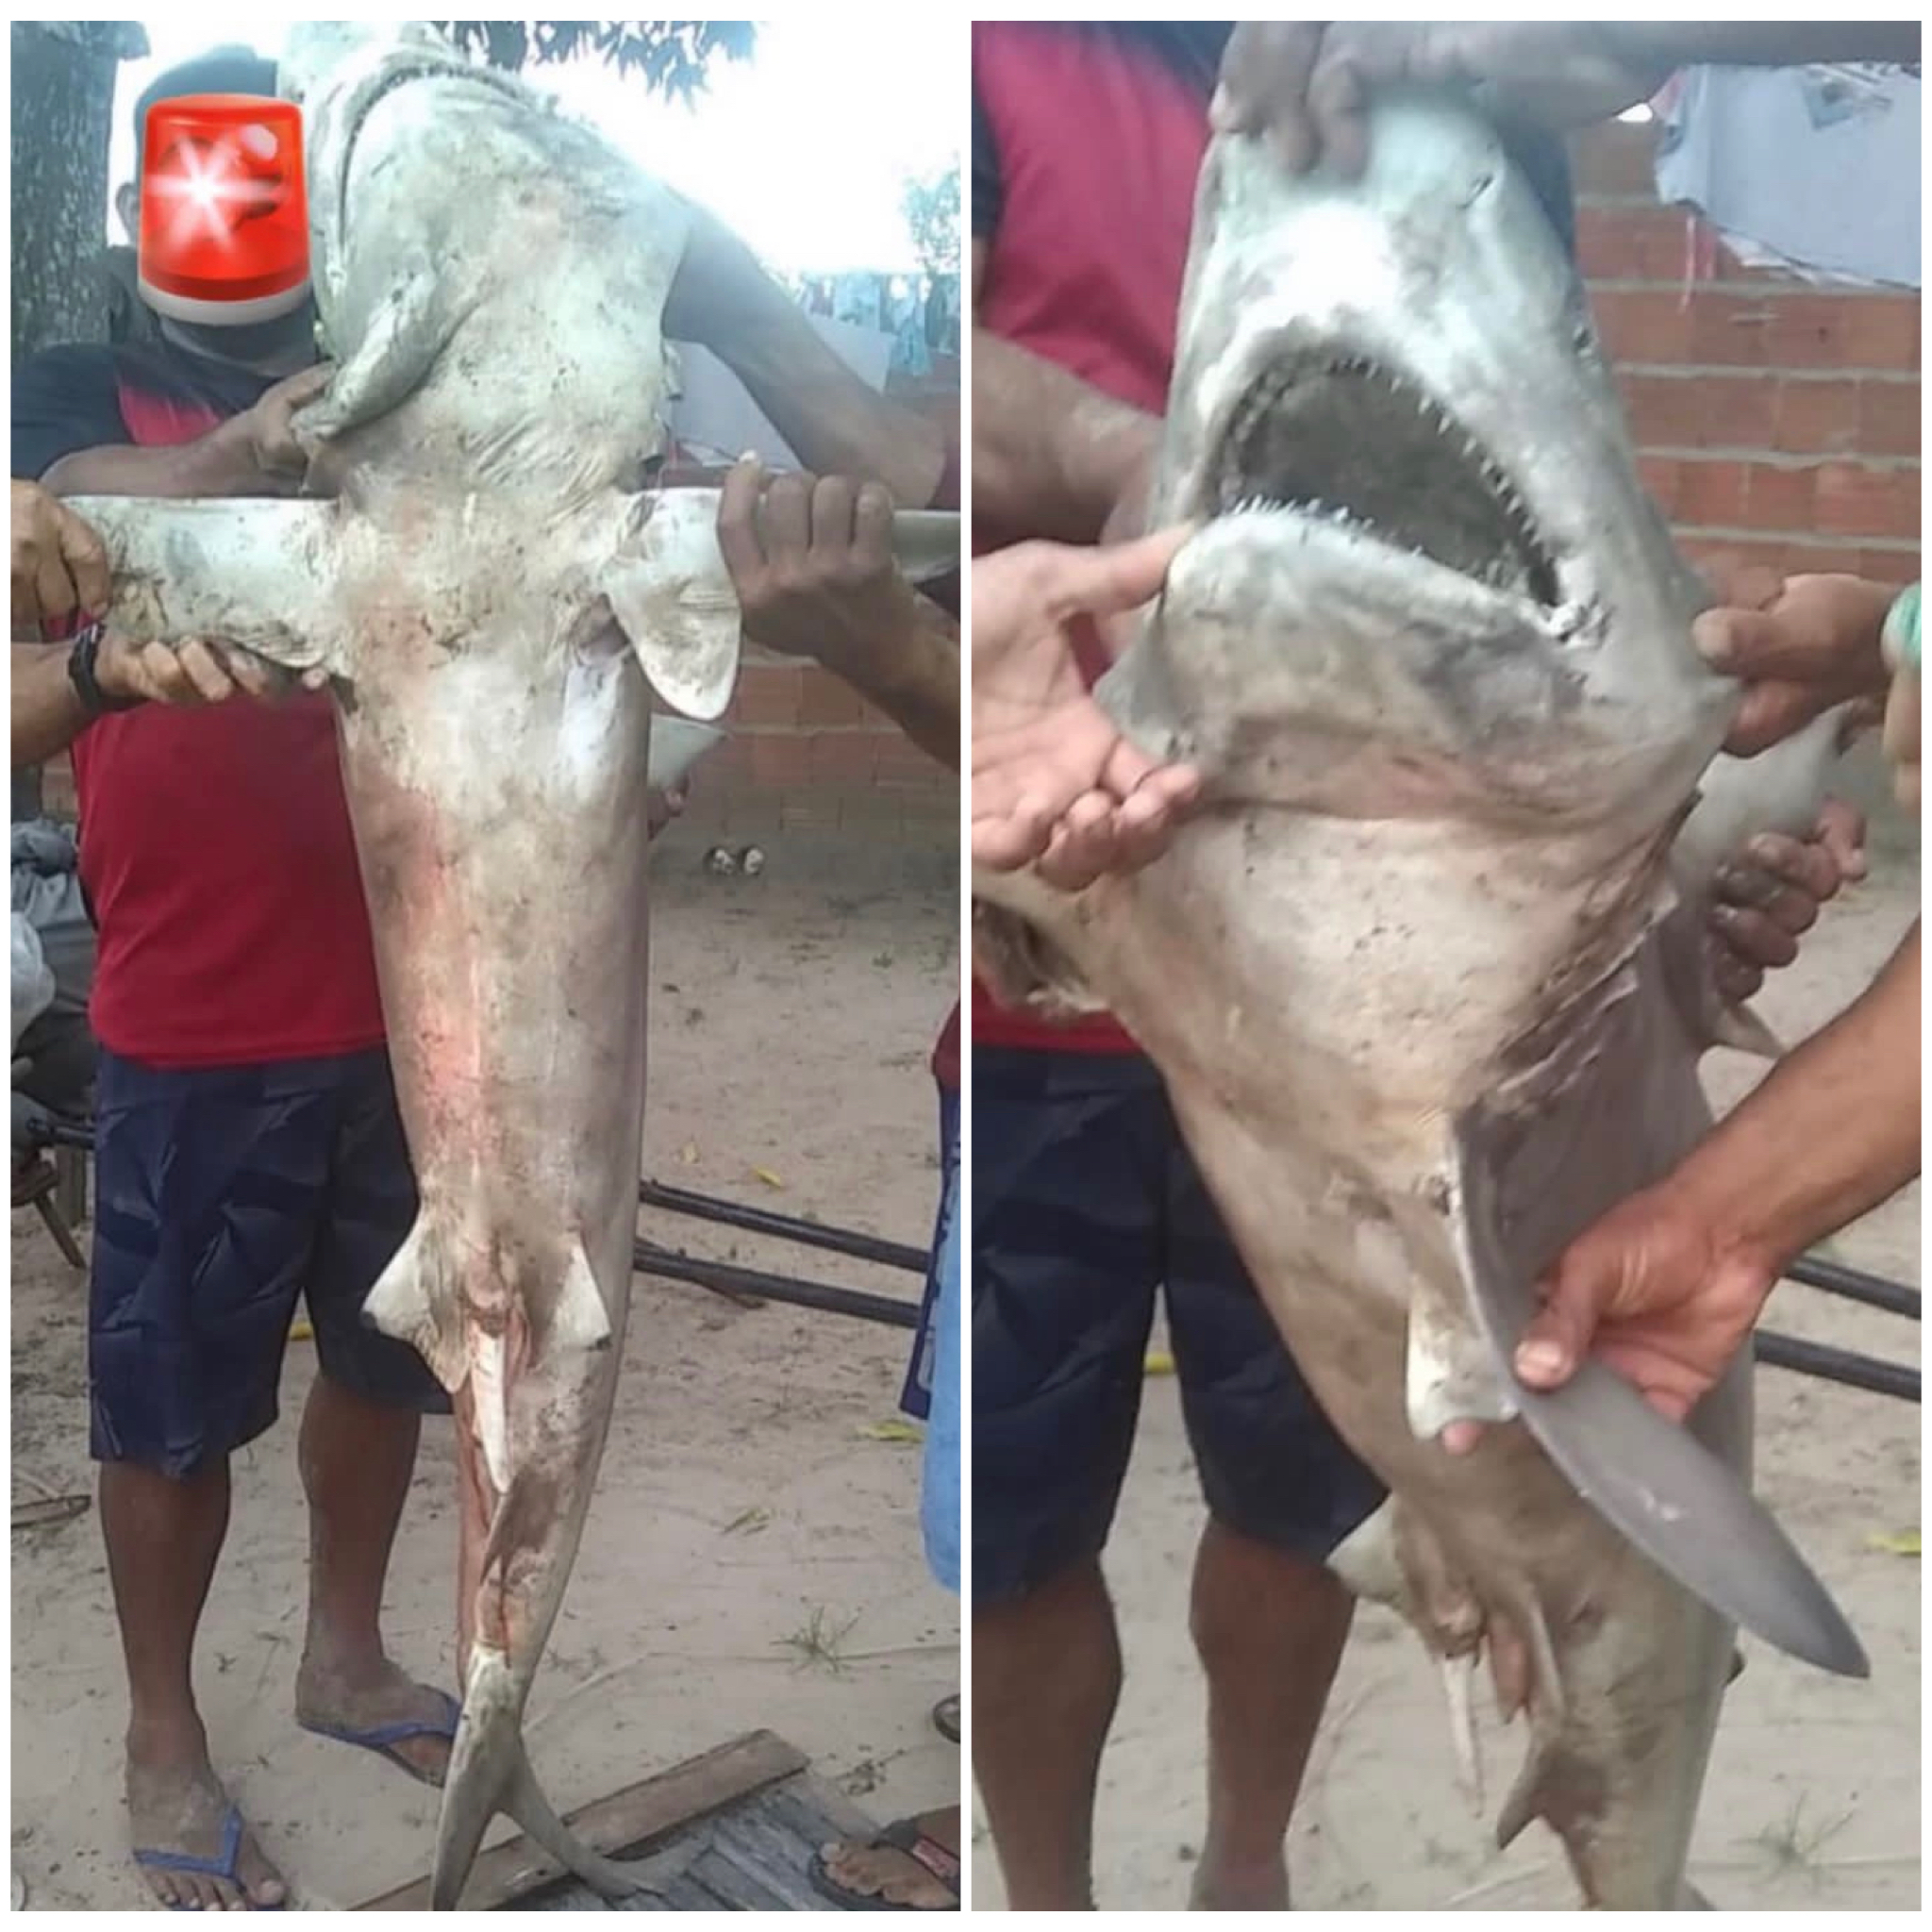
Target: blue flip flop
383	1739
224	1864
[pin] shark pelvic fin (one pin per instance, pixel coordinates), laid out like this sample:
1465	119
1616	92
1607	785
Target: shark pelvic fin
580	1319
414	1301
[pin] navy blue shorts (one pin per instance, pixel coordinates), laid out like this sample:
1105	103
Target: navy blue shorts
222	1196
1085	1203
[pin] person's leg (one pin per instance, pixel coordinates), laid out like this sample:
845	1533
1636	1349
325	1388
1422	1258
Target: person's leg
195	1276
359	1432
1269	1627
1064	1204
903	1874
1269	1620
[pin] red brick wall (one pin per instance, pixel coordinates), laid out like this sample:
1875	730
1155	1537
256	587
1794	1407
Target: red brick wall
1775	421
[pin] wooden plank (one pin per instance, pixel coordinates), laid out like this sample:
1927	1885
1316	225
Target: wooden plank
626	1821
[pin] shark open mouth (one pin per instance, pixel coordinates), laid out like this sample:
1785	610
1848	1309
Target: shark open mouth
1341	437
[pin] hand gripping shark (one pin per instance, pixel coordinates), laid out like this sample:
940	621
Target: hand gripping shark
482	593
1425	974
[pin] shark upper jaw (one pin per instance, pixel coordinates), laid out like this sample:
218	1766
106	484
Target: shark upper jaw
1326	435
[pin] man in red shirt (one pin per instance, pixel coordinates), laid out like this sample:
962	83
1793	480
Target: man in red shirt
247	1142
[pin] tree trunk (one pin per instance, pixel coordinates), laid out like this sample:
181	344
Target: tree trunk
63	104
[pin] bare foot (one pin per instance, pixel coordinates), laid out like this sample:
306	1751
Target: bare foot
335	1695
176	1807
1221	1886
887	1872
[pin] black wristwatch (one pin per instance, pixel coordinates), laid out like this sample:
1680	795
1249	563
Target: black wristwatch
80	674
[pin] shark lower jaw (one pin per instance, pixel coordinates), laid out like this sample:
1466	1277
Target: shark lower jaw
1329	434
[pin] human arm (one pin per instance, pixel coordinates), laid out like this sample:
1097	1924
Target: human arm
252	454
1306	83
811	559
833	421
1052	455
1666	1286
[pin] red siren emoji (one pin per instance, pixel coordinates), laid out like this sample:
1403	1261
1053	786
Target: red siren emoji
223	213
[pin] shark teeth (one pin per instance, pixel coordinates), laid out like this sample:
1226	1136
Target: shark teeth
1305	371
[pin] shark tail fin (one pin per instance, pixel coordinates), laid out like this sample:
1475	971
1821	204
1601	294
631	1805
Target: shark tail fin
488	1773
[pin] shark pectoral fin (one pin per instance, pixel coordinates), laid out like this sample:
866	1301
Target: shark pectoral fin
1692	1514
414	1300
669	587
670	590
926	544
257	575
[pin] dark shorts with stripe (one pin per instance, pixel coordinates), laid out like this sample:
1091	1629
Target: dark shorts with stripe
1085	1203
222	1196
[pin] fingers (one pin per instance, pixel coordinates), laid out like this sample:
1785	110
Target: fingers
1006	840
1748	643
1755	936
871	528
832	505
1264	83
1104	582
1558	1334
739	540
1770	712
1840	830
59	564
195	673
1339	104
785	515
52	593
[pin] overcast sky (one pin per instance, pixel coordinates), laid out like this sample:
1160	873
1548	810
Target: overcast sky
802	149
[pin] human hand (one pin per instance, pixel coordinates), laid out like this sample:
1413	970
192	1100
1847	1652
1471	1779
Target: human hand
1055	781
59	563
1652	1291
260	444
811	559
1812	645
1305	85
195	673
1767	896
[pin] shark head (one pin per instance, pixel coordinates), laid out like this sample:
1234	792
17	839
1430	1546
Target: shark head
339	72
1420	521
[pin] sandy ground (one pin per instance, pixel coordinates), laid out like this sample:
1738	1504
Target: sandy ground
1813	1798
745	1516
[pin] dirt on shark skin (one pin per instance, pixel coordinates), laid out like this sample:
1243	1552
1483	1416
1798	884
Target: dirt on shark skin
1425	976
491	276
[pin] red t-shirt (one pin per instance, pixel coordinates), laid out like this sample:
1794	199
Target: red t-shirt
1086	148
215	846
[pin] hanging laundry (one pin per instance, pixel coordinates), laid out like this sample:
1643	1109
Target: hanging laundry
1813	170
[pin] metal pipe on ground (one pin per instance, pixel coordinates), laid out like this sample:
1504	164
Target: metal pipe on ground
1836	1365
721	1278
808	1234
1855	1285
